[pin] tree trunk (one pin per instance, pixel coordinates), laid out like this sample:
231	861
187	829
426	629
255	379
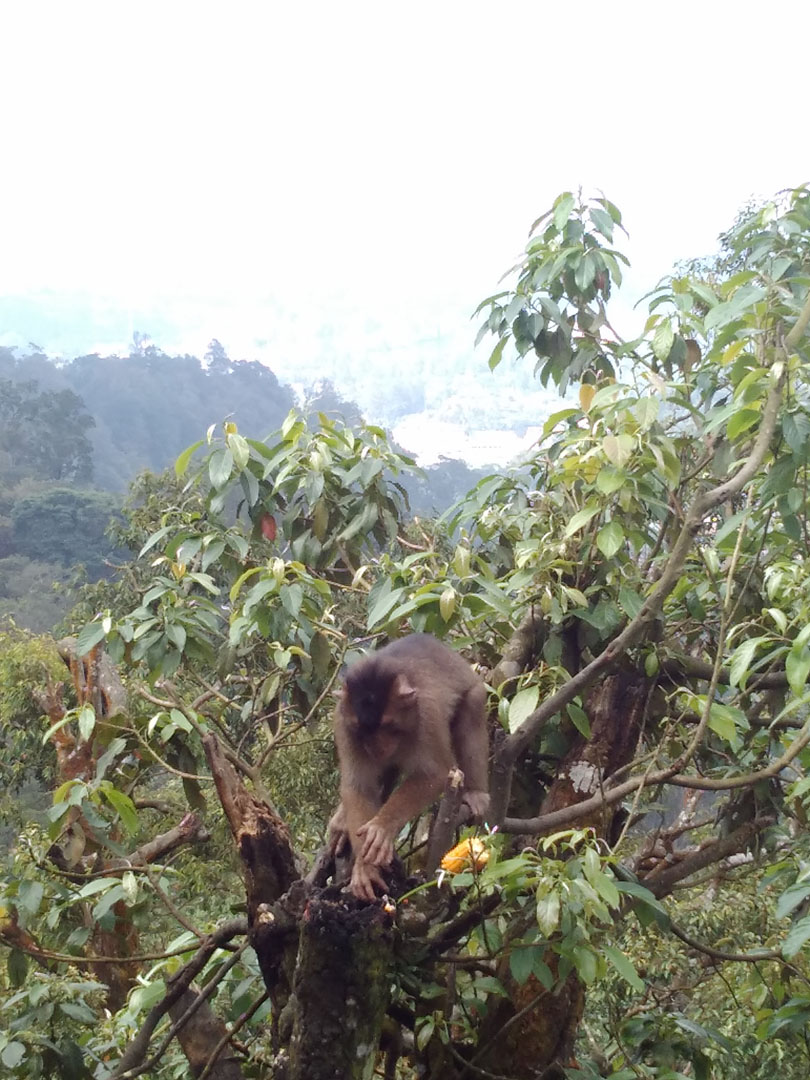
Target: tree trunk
540	1040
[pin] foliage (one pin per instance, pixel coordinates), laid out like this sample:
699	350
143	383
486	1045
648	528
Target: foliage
637	592
36	594
43	434
26	662
65	525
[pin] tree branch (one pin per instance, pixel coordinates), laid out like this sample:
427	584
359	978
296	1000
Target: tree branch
135	1053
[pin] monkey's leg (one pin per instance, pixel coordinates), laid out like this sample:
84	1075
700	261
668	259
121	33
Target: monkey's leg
471	744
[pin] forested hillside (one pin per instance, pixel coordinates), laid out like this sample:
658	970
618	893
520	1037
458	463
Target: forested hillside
74	435
147	406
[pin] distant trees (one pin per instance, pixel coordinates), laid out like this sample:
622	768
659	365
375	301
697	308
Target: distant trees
65	525
149	405
104	419
43	434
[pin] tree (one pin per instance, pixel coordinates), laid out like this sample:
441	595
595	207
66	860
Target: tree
65	525
637	594
43	433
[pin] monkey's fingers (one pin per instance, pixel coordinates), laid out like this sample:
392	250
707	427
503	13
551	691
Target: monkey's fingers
365	876
378	846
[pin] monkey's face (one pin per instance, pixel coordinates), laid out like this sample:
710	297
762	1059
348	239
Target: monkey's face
364	702
380	704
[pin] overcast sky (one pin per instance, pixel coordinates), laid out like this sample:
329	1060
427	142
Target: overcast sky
377	155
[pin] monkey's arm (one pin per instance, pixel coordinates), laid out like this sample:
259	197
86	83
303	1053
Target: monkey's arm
415	793
357	809
359	801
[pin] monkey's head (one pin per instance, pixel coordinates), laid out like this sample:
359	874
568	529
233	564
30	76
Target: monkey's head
377	694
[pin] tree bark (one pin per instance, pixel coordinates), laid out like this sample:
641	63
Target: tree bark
341	991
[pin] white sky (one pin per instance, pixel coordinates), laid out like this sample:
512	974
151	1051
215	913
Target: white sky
376	155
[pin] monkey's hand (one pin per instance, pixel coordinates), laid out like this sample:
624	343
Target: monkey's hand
365	877
477	802
338	834
378	843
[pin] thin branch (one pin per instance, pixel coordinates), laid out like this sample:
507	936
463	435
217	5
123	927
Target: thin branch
226	1038
202	996
718	954
135	1053
663	883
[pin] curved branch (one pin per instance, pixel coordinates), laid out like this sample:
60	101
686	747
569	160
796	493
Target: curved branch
135	1053
691	667
569	814
718	954
662	884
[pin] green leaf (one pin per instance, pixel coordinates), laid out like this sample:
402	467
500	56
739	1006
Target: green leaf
602	221
488	984
129	883
12	1054
579	718
181	464
17	966
586	963
791	898
617	449
30	896
89	635
548	913
610	538
585	272
645	897
97	885
154	539
496	355
726	312
624	967
382	601
447	603
563	205
77	1010
741	421
111	897
663	339
724	720
558	418
610	479
522	706
797	668
521	963
144	997
220	467
425	1033
87	721
206	581
741	660
237	444
629	601
582	517
124	807
799	933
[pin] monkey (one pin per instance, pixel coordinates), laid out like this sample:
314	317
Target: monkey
407	714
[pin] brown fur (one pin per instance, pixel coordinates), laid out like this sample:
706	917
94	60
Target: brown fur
408	713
